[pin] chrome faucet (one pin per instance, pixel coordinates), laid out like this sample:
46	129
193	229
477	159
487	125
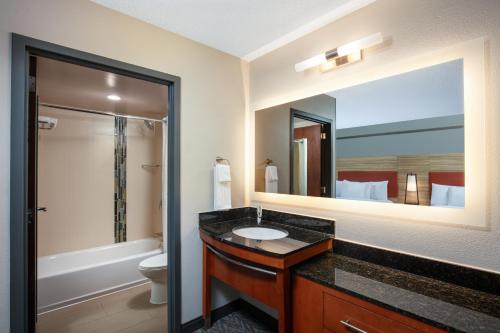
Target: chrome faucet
259	214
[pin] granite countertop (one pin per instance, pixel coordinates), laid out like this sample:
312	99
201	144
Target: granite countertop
297	239
442	304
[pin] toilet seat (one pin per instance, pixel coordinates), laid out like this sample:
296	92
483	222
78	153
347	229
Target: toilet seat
154	263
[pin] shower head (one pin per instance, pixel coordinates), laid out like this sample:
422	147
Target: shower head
46	122
149	124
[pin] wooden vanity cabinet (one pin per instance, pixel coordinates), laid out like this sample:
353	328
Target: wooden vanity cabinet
265	278
318	309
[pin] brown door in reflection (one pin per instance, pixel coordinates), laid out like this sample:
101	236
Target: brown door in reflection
313	136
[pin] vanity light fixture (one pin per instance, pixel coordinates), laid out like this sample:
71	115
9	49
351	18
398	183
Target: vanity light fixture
411	186
341	55
114	97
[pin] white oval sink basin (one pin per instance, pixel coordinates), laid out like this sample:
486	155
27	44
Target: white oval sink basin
260	233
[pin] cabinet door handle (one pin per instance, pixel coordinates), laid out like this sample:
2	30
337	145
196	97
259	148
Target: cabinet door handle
239	263
350	326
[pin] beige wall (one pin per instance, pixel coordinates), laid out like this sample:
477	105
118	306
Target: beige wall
412	27
212	115
75	182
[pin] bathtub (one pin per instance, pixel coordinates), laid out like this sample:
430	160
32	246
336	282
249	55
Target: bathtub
72	277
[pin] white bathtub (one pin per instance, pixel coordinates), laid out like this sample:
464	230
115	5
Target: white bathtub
71	277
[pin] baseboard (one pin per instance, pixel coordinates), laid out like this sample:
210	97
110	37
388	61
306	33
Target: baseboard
90	296
227	309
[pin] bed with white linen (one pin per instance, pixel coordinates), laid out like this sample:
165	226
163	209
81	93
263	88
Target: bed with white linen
447	188
379	186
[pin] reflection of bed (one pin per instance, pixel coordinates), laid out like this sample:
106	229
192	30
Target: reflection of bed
449	188
451	178
373	176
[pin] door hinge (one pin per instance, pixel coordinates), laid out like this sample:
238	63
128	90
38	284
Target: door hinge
323	189
323	136
32	84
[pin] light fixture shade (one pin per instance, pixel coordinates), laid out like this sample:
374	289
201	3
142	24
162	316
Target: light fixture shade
360	44
411	183
311	62
114	97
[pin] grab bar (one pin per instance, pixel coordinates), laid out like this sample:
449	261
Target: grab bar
239	263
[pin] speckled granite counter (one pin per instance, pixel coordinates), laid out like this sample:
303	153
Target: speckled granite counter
297	239
442	304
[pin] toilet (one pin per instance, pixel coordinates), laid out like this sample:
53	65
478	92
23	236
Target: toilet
155	269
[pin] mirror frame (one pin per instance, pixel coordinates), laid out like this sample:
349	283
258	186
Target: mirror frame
477	200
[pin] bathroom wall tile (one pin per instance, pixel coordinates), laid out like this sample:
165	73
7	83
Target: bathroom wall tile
120	179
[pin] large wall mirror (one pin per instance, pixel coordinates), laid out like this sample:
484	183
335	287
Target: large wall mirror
396	140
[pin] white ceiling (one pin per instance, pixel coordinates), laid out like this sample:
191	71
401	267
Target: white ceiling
244	28
77	86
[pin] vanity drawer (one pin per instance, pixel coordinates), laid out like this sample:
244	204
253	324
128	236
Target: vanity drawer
319	309
342	316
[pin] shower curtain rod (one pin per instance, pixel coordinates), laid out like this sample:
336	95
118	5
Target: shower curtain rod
105	113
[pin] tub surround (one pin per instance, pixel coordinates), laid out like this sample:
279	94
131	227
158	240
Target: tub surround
410	286
73	277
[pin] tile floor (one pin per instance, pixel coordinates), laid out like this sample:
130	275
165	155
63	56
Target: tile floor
125	312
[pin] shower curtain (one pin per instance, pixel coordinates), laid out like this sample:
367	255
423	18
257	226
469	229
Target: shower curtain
164	184
300	167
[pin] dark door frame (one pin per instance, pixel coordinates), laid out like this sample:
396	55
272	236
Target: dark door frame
326	147
20	217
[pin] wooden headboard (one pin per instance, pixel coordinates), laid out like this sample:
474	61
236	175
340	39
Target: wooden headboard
453	178
373	176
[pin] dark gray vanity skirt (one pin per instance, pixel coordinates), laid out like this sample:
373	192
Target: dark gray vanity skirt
442	304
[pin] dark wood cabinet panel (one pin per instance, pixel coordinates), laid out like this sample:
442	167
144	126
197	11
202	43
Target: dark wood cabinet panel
342	316
265	278
316	308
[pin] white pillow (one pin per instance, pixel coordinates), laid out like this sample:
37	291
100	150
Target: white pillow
379	190
338	188
355	190
456	196
439	195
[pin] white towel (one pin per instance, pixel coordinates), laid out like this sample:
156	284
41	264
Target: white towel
223	172
271	179
222	187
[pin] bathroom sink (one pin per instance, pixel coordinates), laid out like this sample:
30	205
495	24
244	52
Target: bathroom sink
260	233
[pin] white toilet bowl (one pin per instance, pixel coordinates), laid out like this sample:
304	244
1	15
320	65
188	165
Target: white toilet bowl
155	269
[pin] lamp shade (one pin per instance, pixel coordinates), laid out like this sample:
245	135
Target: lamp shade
411	183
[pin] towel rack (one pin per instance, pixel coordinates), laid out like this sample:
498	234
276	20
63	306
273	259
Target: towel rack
221	160
146	166
268	161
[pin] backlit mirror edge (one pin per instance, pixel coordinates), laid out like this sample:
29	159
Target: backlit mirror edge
475	214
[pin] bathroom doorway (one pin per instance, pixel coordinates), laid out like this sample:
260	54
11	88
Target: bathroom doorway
95	153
